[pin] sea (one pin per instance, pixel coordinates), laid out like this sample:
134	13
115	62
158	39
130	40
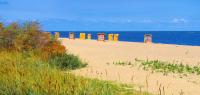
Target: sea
191	38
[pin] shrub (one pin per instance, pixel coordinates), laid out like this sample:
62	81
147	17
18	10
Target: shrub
29	37
53	49
8	35
67	61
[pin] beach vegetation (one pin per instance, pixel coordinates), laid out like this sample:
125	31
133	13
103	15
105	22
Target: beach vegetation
67	61
33	62
122	63
166	67
162	66
30	75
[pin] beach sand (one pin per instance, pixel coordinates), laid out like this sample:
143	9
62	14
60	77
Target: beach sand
101	55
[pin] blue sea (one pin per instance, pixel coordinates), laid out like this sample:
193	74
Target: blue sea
166	37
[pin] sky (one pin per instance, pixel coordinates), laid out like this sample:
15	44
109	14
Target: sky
105	15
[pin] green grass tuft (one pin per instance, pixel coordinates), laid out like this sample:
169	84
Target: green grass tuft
67	61
122	63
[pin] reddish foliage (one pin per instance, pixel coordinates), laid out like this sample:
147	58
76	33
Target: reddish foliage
54	48
27	38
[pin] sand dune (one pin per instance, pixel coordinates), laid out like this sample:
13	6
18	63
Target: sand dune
99	54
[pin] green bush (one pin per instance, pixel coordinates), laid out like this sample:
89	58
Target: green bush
67	61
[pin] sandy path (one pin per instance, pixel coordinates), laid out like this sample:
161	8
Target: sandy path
98	54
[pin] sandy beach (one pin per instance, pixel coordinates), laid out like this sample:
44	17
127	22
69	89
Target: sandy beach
101	55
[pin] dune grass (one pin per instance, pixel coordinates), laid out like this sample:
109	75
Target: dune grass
27	74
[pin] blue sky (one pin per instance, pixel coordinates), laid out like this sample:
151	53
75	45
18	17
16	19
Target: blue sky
105	15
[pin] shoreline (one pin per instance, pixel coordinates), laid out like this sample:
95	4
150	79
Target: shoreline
177	38
182	45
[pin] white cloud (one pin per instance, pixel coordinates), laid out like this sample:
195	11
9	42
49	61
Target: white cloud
179	20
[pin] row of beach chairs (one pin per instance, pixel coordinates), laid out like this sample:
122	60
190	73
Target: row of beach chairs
102	37
83	36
